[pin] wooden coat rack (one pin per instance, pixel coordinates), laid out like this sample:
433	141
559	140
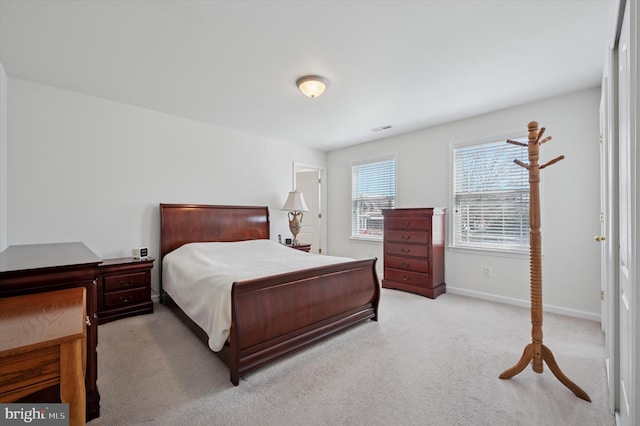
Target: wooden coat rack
535	352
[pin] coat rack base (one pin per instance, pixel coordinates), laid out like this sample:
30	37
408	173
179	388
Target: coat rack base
530	355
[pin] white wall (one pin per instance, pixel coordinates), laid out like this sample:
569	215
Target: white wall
3	158
569	200
87	169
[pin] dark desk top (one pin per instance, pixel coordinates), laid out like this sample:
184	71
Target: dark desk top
39	256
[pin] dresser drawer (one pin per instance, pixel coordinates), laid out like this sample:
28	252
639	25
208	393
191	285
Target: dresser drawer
399	249
406	277
421	237
407	263
124	297
407	223
121	282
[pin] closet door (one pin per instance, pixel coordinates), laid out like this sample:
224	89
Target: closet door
628	222
608	238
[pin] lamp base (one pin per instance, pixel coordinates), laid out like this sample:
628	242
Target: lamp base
295	224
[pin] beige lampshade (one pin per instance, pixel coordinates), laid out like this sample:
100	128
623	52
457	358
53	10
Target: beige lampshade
295	203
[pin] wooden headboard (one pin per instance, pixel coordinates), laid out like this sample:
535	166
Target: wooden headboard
190	223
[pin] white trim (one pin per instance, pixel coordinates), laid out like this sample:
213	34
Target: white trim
524	303
4	162
490	251
367	240
323	232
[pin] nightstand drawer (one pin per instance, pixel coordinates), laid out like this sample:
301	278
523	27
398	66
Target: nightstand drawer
122	282
124	288
125	297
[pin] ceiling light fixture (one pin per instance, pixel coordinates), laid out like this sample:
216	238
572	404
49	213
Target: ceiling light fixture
312	85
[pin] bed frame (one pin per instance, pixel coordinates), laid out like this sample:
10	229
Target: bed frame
274	315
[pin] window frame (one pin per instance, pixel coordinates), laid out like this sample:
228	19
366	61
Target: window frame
355	163
512	250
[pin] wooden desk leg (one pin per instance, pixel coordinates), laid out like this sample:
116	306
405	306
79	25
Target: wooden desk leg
72	389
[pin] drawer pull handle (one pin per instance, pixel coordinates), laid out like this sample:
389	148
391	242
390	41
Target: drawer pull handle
87	320
125	283
406	237
406	251
406	264
124	299
405	224
405	278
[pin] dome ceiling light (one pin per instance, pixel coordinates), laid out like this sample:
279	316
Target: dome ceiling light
312	85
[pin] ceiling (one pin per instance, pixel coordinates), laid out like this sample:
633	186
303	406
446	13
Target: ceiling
233	64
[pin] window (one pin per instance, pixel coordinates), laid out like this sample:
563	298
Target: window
373	188
491	196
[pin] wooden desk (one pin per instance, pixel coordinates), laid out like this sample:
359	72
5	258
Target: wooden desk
44	343
38	268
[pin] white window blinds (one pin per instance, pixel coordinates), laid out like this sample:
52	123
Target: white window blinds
491	197
373	188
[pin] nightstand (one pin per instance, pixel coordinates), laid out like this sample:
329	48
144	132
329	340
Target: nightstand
124	288
302	247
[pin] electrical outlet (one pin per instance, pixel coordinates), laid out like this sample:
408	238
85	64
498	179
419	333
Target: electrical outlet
486	272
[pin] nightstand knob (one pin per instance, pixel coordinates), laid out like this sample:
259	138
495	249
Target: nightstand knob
125	283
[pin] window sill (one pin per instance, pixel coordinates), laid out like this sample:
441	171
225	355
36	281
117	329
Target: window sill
366	240
490	251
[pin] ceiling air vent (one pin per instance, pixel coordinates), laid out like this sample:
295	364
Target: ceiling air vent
378	129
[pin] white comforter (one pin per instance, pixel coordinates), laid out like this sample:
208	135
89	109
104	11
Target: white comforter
199	276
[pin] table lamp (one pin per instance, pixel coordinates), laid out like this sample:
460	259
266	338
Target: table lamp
295	205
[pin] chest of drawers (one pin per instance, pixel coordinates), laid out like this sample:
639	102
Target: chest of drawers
37	268
414	250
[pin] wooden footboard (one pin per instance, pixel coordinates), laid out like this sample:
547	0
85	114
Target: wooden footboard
276	315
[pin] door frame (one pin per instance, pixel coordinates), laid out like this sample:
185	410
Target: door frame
621	340
609	227
302	167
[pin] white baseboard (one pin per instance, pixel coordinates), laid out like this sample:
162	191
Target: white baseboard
525	303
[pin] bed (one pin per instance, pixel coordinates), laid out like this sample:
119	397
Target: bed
275	314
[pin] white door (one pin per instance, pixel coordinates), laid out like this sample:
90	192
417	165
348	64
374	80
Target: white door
627	223
608	237
308	183
604	194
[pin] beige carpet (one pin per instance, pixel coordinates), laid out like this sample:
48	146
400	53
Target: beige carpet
426	362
